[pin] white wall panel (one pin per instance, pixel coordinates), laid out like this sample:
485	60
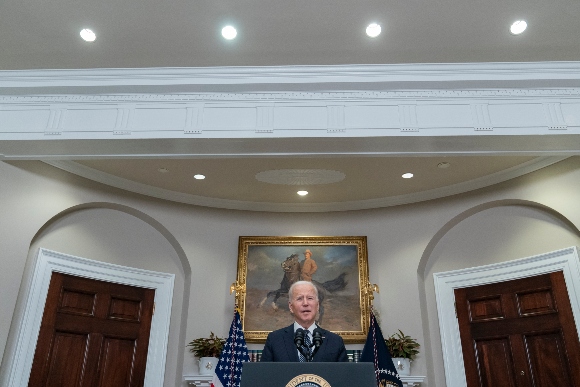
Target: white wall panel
300	117
24	120
443	115
571	113
89	119
372	117
517	115
230	118
152	118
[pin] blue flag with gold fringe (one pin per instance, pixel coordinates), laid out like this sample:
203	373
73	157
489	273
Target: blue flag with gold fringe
376	351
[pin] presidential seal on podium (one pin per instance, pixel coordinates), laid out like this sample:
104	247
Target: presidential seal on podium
308	380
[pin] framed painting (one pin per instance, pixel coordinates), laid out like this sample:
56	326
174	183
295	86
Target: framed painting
338	266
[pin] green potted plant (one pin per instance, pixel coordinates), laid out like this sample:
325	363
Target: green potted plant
403	349
208	351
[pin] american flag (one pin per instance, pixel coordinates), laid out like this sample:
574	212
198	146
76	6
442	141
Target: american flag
228	372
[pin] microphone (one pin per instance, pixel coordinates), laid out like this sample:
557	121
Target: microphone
317	337
299	338
316	340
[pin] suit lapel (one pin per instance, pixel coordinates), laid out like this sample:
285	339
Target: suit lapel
289	343
320	354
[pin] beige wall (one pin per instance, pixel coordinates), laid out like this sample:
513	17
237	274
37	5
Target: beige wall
407	244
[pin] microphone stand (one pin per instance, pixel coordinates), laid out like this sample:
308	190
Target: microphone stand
299	341
316	342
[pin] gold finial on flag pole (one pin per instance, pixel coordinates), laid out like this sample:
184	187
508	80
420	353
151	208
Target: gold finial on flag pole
370	289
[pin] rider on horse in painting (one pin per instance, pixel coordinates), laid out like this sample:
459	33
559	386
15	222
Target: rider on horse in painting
293	272
308	267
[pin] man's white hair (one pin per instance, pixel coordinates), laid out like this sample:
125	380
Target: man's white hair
291	290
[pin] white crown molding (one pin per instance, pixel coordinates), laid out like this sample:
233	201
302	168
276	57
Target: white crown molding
411	74
156	192
326	97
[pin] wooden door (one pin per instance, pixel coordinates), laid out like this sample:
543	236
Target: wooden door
93	334
519	333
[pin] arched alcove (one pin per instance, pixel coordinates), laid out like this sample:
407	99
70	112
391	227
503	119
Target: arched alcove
489	233
120	235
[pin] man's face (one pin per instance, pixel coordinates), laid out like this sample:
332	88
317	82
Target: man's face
307	255
304	304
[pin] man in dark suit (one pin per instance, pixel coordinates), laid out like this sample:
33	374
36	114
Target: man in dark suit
303	304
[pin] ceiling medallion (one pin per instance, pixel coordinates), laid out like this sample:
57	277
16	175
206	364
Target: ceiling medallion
300	176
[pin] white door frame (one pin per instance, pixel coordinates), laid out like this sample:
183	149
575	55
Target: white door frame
565	260
18	370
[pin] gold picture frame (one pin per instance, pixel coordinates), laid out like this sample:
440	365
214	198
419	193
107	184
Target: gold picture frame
267	264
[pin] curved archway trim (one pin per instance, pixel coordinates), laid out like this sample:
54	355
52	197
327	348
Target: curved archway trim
424	261
185	266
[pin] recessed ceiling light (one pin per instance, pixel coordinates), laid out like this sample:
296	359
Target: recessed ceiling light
199	177
163	170
88	35
518	27
407	175
443	165
302	193
373	30
229	32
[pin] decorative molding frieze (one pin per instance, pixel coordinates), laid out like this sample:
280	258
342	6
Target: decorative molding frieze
292	101
265	119
122	121
408	118
194	120
554	116
360	114
55	122
481	118
420	95
335	118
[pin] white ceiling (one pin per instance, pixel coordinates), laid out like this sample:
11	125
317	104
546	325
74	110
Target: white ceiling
186	33
136	34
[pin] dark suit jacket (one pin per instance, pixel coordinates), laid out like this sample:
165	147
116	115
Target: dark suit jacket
280	347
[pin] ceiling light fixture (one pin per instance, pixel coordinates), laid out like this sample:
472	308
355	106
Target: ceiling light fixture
229	32
163	170
88	35
302	193
407	175
199	177
518	27
373	30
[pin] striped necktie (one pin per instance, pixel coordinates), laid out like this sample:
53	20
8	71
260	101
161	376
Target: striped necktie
305	346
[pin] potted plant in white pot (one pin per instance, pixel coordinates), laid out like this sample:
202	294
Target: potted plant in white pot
208	351
402	348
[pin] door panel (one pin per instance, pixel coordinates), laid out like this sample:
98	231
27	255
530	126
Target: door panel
93	333
495	361
117	360
64	372
519	333
548	359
